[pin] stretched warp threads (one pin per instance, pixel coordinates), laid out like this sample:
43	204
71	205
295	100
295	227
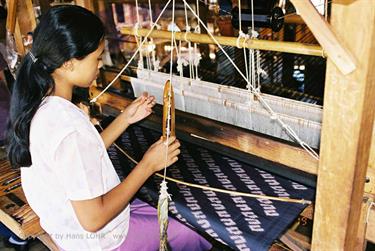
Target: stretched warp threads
168	130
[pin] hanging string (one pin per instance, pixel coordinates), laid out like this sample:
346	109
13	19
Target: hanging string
244	36
197	6
137	37
153	57
164	196
137	11
259	70
150	11
252	17
148	58
233	193
326	10
239	16
246	63
189	43
254	70
133	56
180	63
273	115
252	50
148	52
196	61
170	89
198	31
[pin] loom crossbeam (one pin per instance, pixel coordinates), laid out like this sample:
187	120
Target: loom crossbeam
288	47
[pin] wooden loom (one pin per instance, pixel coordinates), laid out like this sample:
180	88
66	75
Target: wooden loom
339	200
347	152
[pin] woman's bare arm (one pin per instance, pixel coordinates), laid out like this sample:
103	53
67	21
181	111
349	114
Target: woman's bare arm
136	111
95	213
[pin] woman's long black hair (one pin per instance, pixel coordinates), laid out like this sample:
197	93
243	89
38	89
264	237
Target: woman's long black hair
64	32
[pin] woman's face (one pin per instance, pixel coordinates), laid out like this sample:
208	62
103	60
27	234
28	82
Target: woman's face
86	70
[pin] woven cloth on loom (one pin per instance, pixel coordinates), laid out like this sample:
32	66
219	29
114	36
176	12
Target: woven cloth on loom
240	222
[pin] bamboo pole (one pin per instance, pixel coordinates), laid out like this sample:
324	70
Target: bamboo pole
288	47
332	45
219	190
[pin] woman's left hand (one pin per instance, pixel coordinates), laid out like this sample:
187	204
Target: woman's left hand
139	109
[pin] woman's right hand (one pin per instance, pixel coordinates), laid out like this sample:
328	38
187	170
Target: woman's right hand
155	157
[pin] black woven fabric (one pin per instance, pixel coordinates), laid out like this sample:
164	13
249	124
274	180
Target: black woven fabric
241	223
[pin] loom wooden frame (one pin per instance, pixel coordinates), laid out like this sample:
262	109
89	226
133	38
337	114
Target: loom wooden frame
341	200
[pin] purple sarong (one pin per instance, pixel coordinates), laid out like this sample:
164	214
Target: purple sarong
143	232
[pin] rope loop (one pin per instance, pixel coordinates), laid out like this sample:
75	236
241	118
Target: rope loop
240	35
247	37
186	33
197	29
136	30
254	34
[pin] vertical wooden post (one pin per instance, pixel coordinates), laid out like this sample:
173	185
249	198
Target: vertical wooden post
12	15
371	162
26	16
360	242
44	6
20	20
348	117
331	43
88	4
18	39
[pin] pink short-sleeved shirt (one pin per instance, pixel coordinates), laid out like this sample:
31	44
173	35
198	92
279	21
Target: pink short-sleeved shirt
69	162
